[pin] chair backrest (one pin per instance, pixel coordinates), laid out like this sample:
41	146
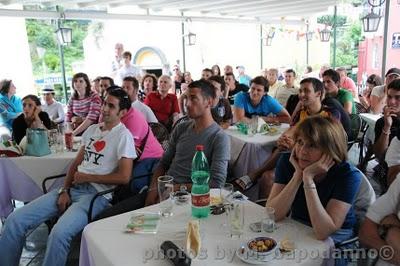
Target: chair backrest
180	120
161	133
360	108
355	124
364	198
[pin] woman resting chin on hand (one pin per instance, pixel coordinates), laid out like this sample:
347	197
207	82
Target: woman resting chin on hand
320	185
32	117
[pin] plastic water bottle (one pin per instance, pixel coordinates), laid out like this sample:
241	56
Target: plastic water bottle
200	187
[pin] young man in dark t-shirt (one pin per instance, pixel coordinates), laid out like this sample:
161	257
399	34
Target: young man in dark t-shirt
387	126
233	87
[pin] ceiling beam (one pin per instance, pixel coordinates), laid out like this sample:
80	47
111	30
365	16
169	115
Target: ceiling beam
299	12
242	5
267	8
100	15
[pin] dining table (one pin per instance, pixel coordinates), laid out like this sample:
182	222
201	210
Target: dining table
21	177
250	151
107	242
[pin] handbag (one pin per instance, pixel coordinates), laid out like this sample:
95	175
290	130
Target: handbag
37	142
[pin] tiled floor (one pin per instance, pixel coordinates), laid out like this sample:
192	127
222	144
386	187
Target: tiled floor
34	252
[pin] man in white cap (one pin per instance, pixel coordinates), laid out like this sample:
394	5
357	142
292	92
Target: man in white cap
51	106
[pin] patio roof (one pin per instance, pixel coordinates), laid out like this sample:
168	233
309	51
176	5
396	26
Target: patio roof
245	11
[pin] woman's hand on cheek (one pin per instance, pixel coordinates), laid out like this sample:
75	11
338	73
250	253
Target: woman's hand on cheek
318	168
294	161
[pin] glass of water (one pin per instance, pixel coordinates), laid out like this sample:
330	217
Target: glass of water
268	223
165	193
236	219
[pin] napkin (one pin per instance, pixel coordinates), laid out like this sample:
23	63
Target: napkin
193	240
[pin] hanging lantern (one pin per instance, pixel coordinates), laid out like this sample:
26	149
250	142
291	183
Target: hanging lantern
268	40
190	39
372	19
371	22
309	35
64	35
325	35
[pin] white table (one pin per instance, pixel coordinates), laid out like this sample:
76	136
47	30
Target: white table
21	177
370	119
250	152
105	243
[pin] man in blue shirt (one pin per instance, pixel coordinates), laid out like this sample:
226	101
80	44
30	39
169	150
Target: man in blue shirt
257	102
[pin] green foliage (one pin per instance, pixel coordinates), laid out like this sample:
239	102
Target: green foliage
329	20
41	33
347	45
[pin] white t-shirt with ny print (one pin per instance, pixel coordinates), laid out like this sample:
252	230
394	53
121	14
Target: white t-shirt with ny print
103	150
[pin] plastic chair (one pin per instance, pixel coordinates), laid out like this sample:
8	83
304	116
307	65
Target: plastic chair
144	189
361	108
364	198
356	126
180	120
161	133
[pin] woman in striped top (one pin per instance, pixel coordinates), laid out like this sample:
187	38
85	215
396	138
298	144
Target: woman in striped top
83	106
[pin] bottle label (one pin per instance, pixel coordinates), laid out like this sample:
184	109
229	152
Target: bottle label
201	200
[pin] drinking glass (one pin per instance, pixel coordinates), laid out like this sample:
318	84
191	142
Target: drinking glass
225	192
165	193
254	124
268	223
236	219
53	134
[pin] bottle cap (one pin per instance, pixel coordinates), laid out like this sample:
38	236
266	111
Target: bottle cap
199	147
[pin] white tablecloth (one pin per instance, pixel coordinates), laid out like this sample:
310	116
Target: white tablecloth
250	152
38	168
21	177
105	243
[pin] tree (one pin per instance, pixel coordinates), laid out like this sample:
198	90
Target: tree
348	37
41	33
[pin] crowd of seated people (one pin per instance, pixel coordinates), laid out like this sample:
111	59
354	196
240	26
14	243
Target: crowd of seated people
307	174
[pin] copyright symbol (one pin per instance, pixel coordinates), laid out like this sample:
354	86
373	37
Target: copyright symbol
386	252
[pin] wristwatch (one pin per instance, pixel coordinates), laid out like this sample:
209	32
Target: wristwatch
62	190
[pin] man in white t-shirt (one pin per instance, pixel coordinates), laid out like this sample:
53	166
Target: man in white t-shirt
131	86
53	108
381	227
104	160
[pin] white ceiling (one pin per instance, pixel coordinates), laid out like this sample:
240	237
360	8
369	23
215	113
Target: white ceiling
255	11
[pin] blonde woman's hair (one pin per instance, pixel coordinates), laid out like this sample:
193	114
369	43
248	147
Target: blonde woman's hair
326	134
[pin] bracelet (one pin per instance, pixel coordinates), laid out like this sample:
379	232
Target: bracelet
387	133
310	186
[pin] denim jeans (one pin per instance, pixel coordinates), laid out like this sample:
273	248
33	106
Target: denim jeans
72	221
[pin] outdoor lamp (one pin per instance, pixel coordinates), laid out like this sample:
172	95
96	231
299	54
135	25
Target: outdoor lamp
371	22
372	19
325	35
309	35
64	35
268	40
191	39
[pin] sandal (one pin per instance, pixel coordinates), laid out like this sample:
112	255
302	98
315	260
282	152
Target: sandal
244	182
